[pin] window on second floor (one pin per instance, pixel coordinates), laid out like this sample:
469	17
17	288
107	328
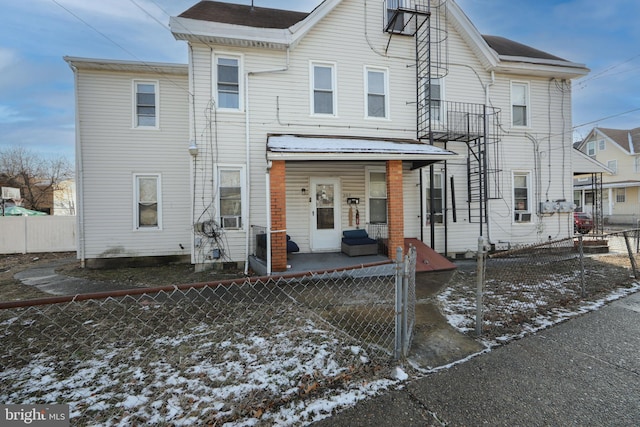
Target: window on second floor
613	165
636	164
602	145
520	104
376	87
398	24
323	96
591	148
146	104
436	92
228	82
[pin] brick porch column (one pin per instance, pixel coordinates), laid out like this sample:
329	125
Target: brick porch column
278	216
395	206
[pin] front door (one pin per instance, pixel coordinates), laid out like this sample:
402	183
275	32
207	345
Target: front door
325	214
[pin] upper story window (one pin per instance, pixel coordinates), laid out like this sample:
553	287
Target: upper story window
591	148
613	165
521	197
323	89
394	22
228	82
377	98
601	145
377	195
434	95
147	202
636	164
520	104
146	104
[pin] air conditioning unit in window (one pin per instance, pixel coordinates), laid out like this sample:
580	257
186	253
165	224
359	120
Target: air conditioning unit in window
523	217
231	222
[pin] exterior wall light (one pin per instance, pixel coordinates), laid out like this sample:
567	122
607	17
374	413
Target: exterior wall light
193	149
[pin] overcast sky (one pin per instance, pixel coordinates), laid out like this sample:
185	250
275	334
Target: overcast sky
36	85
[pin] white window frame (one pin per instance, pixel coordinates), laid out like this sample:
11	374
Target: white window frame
136	201
243	195
334	88
527	104
134	110
613	165
591	148
385	93
636	164
368	171
389	7
214	71
427	187
602	145
621	195
522	215
440	83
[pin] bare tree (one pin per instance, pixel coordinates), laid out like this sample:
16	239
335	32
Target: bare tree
36	176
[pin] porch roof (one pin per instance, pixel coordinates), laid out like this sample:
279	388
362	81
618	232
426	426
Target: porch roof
314	147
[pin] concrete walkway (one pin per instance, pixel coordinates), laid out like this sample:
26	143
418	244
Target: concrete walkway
583	372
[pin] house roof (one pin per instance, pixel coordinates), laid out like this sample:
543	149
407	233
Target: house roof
321	147
582	164
238	14
127	66
629	139
506	47
243	25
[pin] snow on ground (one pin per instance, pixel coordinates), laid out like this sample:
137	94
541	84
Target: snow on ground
222	373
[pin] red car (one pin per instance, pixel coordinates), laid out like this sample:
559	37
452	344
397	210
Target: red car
582	223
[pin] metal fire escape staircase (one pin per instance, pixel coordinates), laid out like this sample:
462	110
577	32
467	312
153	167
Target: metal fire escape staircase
441	122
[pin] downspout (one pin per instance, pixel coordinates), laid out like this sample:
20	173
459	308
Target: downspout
248	169
79	176
487	94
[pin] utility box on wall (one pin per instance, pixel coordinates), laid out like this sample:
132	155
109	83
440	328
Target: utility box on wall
547	207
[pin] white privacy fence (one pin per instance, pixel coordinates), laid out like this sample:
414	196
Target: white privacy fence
31	234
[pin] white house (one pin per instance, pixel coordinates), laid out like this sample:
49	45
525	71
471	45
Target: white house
397	117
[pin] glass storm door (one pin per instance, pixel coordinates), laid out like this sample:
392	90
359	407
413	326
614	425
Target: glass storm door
325	214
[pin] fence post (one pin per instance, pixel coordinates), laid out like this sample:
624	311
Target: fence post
634	267
583	290
397	351
480	284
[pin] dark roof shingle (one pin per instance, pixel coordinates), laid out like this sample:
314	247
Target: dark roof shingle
508	47
238	14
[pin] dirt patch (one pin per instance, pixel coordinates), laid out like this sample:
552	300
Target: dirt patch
12	289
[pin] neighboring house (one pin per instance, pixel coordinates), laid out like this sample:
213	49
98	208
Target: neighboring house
306	125
37	195
64	198
619	150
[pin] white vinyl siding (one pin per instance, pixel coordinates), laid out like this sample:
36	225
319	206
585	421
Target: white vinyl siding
323	89
145	104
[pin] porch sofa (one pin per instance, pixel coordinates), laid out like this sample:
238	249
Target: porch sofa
357	243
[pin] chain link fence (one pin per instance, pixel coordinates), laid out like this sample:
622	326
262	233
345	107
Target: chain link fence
233	351
527	288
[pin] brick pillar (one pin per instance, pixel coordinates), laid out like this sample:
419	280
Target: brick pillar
278	216
395	206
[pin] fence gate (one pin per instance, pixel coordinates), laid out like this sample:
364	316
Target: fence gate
405	301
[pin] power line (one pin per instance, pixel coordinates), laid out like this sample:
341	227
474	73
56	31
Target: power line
606	118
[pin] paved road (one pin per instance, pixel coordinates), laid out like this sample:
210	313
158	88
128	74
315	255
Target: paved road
584	372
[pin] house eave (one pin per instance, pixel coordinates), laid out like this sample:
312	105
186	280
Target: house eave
126	66
193	30
540	67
